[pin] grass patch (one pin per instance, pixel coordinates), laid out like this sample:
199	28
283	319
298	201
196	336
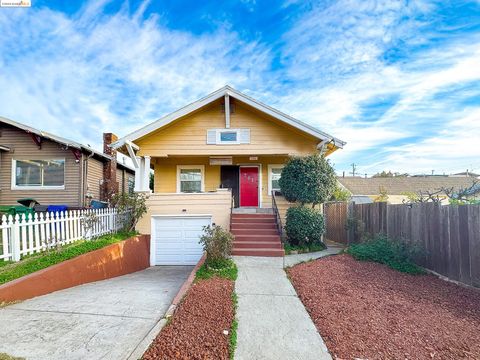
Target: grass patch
4	356
303	249
40	261
5	263
233	330
222	268
395	254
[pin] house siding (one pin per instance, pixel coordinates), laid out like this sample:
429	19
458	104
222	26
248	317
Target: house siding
23	147
122	178
216	204
94	178
187	136
166	173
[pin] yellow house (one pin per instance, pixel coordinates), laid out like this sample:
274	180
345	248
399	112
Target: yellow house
222	154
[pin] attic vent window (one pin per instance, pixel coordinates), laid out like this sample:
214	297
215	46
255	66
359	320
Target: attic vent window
228	136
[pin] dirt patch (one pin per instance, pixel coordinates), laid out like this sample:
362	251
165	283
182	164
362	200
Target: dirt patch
366	310
197	328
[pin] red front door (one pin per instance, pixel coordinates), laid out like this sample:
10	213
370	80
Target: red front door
249	186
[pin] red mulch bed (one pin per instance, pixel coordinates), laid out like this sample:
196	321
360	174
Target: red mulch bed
196	331
366	310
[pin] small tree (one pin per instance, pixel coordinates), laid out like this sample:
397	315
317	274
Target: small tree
382	196
340	194
308	180
134	204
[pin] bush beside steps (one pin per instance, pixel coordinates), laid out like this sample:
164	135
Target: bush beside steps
381	249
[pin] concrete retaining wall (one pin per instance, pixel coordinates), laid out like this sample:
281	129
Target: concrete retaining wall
114	260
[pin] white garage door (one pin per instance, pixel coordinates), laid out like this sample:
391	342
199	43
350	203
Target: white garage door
175	239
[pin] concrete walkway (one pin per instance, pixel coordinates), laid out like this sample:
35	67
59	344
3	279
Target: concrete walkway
102	320
272	321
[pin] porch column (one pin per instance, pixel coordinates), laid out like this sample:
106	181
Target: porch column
146	174
138	175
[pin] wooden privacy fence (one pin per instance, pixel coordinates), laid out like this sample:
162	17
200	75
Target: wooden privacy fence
26	234
448	236
336	221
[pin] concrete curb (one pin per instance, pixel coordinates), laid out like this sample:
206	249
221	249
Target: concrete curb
143	345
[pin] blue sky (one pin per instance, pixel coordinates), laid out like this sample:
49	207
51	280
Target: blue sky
398	80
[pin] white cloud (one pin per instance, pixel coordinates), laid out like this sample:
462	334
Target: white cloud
80	75
111	71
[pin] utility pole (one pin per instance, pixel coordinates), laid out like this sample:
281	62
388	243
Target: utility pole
354	168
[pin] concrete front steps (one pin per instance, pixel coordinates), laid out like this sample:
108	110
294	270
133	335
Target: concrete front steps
255	235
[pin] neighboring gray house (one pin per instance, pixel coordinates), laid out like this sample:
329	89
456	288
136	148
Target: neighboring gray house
54	170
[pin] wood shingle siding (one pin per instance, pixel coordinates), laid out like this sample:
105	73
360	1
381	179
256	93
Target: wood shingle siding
23	147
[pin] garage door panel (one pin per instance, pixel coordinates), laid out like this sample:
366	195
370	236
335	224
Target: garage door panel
177	240
169	234
195	223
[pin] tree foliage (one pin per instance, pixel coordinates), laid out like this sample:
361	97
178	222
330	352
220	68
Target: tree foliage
133	204
308	180
382	196
389	174
340	194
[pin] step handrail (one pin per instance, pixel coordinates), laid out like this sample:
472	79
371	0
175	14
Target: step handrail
278	218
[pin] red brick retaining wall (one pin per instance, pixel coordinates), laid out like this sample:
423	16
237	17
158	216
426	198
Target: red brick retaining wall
113	260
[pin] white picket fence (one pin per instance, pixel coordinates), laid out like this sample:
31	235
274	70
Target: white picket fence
27	234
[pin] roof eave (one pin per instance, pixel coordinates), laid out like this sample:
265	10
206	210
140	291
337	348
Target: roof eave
227	90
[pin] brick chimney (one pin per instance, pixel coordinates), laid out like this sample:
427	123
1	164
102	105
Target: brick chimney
110	183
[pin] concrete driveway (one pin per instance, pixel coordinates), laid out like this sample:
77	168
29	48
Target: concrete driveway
102	320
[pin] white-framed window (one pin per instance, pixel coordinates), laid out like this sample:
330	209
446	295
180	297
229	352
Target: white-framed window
274	174
190	178
48	174
228	136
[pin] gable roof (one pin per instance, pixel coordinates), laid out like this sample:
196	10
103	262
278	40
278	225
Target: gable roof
400	185
227	90
60	140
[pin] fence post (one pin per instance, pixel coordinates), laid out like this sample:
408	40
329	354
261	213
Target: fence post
15	237
351	229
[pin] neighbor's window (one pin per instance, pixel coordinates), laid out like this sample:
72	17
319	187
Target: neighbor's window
39	173
190	179
274	175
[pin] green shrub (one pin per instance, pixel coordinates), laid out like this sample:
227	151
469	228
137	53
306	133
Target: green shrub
133	203
395	254
308	180
217	243
221	268
304	226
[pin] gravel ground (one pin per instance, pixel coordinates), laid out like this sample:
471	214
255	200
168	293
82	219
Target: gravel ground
196	331
366	310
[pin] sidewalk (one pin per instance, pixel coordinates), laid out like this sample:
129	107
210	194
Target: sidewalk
272	321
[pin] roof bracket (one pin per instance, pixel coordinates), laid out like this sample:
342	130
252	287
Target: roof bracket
77	153
36	139
130	148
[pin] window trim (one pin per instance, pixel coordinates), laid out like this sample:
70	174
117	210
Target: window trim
202	172
270	167
14	185
219	136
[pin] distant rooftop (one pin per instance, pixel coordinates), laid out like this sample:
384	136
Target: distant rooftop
399	185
